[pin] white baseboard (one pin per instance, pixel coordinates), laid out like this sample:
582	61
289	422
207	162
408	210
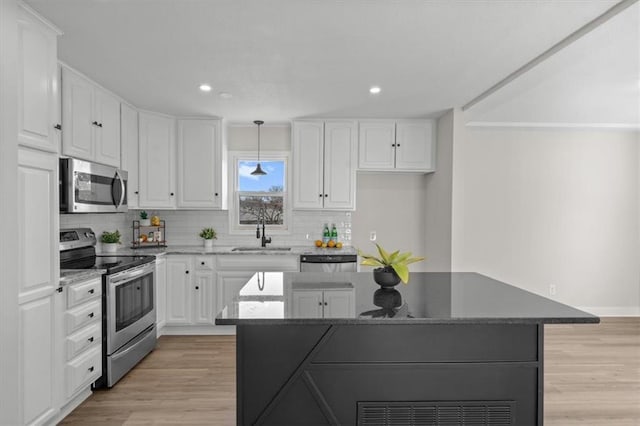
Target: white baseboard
73	404
612	311
197	330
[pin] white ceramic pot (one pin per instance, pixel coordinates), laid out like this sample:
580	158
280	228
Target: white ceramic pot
208	243
109	247
145	222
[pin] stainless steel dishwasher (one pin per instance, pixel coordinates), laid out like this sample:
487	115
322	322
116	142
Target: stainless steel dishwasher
328	263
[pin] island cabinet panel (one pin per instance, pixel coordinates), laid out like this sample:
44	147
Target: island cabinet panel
430	343
355	374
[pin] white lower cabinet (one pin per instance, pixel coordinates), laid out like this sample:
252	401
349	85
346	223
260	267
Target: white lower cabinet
161	293
190	290
83	338
316	303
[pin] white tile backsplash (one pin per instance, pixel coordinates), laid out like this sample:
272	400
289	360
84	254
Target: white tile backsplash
183	226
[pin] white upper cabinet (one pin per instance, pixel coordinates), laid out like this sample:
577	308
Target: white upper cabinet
38	97
402	145
157	152
324	164
129	155
90	120
200	165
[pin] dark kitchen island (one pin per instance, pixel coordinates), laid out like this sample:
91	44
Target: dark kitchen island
334	348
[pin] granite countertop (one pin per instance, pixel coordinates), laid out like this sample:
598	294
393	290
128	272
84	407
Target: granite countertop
429	298
71	276
223	250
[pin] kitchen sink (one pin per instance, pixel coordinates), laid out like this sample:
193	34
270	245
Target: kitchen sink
261	249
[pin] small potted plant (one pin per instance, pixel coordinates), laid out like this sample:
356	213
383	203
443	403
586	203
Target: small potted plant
208	235
391	268
110	241
144	219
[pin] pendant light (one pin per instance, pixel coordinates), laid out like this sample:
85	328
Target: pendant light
258	171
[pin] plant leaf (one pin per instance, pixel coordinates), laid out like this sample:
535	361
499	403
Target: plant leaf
402	271
371	262
383	254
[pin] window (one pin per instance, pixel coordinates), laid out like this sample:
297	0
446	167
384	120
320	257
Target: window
258	196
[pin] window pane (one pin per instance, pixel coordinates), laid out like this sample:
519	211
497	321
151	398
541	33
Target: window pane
273	181
251	206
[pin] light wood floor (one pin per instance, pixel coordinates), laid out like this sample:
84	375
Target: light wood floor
592	378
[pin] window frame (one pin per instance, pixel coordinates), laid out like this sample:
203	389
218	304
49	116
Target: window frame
235	157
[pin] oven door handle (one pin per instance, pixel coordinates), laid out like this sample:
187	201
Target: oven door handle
118	177
130	275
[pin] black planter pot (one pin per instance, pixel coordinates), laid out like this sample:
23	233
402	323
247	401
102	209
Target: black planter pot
386	277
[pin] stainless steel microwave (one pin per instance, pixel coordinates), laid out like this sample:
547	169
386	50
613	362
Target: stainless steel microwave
87	187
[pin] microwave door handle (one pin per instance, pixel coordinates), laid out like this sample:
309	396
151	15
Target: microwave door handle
122	189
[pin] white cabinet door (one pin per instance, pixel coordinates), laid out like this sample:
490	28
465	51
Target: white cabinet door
129	152
179	290
157	161
203	297
415	147
308	152
161	292
199	164
107	132
340	141
307	304
376	145
339	304
38	274
77	116
38	101
229	284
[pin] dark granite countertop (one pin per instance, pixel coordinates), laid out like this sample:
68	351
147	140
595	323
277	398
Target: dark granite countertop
429	298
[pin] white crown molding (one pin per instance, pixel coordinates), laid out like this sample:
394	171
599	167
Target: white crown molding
534	125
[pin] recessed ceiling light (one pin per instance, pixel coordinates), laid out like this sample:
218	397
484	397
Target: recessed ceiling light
205	87
225	95
374	90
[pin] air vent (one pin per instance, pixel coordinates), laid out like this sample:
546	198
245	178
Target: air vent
436	413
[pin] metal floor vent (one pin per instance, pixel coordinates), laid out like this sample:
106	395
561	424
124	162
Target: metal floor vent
436	413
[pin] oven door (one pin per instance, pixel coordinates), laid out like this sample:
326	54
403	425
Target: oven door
130	307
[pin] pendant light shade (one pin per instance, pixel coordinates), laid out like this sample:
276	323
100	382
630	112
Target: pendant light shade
258	171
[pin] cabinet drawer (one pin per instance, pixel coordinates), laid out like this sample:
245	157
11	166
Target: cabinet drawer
204	263
81	292
83	370
82	315
83	339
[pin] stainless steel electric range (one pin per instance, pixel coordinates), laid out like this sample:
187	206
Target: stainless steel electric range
128	301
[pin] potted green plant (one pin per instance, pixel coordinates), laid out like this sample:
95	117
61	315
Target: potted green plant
144	219
110	241
390	268
208	235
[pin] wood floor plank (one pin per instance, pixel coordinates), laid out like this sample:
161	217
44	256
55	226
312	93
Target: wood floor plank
592	378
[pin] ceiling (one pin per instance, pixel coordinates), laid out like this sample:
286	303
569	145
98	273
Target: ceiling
284	59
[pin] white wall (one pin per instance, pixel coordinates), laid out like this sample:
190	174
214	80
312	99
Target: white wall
537	207
438	201
9	363
272	137
394	206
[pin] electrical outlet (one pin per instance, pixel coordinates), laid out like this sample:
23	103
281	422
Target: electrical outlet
372	236
552	289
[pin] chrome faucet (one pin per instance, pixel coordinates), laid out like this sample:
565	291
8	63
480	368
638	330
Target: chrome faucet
264	239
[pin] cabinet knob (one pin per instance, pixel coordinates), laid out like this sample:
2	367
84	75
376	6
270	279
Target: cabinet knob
216	194
320	195
95	123
136	192
57	127
319	303
91	315
186	272
91	368
99	124
59	289
92	291
326	195
397	144
197	288
171	194
325	303
202	263
90	339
